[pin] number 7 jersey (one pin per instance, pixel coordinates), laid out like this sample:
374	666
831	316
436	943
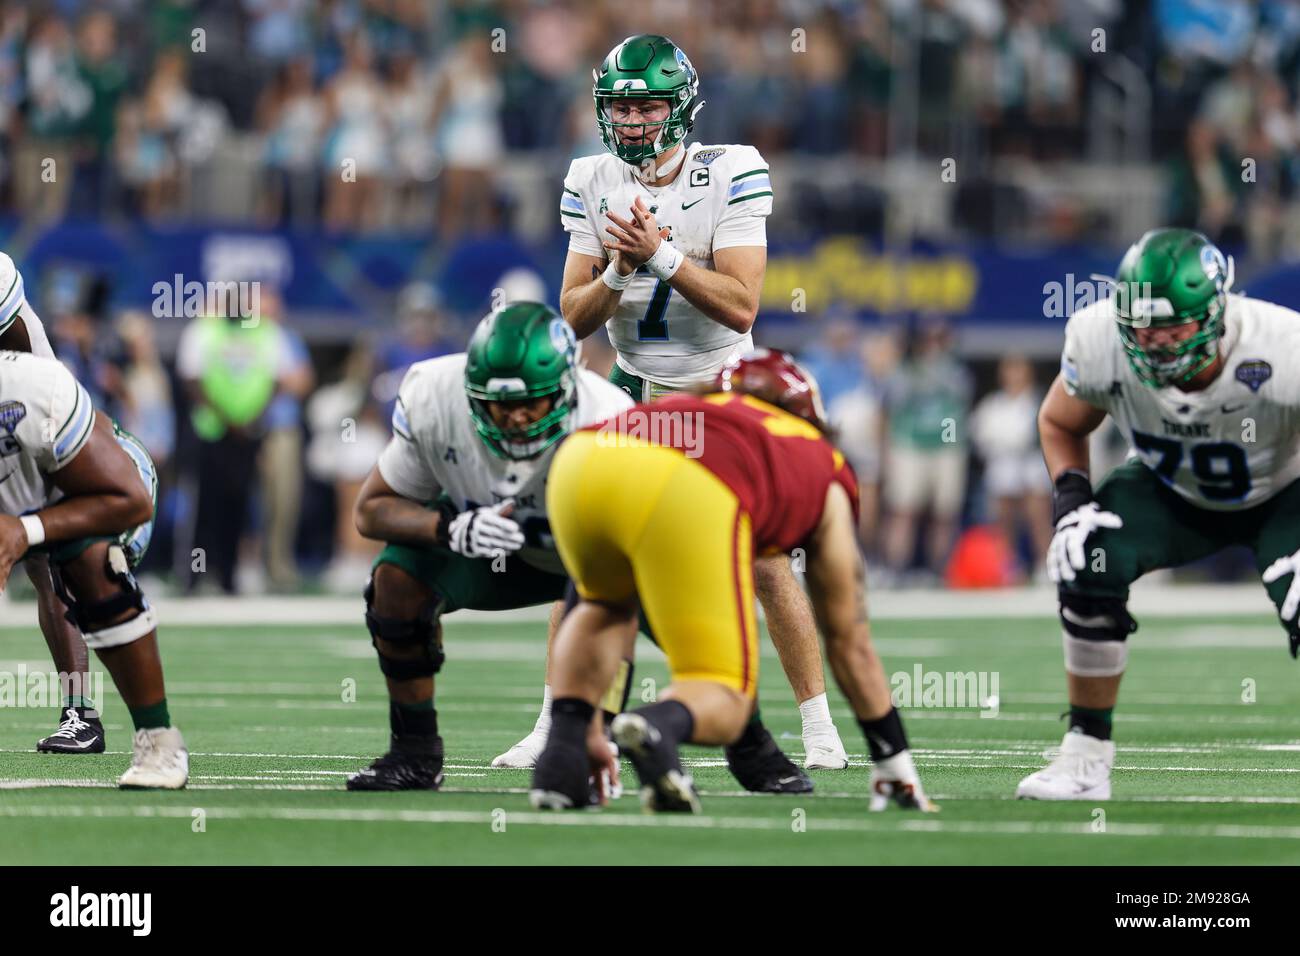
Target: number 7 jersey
720	199
1230	446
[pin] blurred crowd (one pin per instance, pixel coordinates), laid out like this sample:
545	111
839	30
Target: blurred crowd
391	114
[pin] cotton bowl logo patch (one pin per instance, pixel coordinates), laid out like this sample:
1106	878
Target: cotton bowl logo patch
1254	373
706	156
11	413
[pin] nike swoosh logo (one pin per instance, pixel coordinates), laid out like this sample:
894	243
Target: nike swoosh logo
1228	411
785	780
81	744
688	205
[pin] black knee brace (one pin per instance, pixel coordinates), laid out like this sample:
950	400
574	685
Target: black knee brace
1095	618
424	632
96	620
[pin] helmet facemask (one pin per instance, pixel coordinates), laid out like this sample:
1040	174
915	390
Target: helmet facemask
522	444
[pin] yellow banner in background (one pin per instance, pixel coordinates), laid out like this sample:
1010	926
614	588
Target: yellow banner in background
845	270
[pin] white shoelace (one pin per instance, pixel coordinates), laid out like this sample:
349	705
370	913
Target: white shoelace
72	724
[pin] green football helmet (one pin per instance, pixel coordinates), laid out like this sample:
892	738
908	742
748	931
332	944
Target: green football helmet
1172	277
646	67
523	351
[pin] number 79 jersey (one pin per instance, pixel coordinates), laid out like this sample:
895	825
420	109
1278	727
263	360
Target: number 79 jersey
720	199
1230	446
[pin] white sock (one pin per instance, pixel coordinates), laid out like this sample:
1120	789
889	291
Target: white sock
544	718
815	710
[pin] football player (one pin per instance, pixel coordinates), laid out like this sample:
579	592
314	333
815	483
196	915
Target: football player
1185	368
667	250
766	479
80	729
83	492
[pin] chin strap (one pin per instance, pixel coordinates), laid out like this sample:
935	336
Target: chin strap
647	172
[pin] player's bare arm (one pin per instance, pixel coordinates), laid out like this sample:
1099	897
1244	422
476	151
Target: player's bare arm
382	514
585	300
1064	424
104	496
838	588
728	294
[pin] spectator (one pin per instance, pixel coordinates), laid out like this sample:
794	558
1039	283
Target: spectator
467	101
356	151
1004	431
291	115
925	403
422	333
281	455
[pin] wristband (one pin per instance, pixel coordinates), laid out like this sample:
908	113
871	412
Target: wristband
665	261
615	279
1071	489
35	529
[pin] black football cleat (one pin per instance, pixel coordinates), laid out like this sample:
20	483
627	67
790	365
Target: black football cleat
77	734
561	780
759	766
404	767
664	787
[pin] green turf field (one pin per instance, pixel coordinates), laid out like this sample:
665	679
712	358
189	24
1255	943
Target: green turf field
1202	777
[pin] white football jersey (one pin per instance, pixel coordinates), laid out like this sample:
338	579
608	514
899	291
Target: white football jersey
1229	446
45	419
436	450
13	303
721	198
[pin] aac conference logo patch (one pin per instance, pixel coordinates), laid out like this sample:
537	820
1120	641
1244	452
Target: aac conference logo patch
1254	373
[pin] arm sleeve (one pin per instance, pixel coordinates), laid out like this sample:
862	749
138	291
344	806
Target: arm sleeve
401	464
747	204
54	431
575	219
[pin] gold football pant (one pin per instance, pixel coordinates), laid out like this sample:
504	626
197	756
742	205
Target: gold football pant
639	520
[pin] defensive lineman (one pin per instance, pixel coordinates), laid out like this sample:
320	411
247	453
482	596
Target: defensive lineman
1197	379
76	488
667	250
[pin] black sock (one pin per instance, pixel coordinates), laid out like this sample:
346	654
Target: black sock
885	736
1091	721
570	718
413	720
671	718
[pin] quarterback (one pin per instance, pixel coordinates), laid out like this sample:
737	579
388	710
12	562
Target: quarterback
82	492
1186	369
767	480
667	251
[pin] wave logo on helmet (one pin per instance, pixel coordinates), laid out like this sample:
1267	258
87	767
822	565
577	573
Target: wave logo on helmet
562	337
680	55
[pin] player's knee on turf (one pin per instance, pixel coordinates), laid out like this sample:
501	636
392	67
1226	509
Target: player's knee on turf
403	618
1095	633
103	598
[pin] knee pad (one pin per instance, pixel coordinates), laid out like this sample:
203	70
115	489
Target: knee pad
93	618
1095	632
425	632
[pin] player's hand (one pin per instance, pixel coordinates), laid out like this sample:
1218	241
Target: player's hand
1065	555
635	239
603	754
1291	603
13	545
485	532
895	781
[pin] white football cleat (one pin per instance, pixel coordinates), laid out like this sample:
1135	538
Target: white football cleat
1081	771
523	755
160	761
894	780
822	747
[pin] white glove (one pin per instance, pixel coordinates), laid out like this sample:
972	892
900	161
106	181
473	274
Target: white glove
895	780
1288	565
1065	554
485	532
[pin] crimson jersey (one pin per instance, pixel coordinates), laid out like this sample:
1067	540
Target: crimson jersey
778	465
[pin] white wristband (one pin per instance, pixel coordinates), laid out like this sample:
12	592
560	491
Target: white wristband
665	261
35	530
615	279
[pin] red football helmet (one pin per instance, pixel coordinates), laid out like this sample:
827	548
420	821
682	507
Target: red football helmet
776	378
